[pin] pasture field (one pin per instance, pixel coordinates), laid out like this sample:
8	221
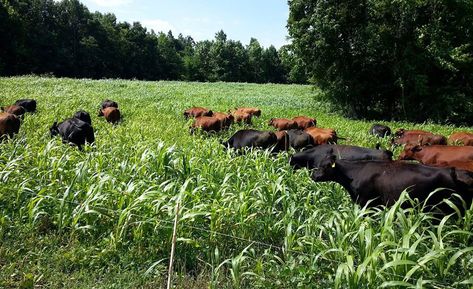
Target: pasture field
102	218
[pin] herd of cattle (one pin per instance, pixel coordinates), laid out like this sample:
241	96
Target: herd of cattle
370	176
76	130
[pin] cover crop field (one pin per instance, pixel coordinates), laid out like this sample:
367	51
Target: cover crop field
103	217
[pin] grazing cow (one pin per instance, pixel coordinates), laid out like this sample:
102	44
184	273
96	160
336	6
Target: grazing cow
414	137
197	111
460	157
322	135
312	158
207	123
242	117
28	104
109	103
84	116
226	120
111	114
382	182
9	124
14	109
380	130
251	138
299	139
304	122
283	141
282	123
461	138
251	110
73	131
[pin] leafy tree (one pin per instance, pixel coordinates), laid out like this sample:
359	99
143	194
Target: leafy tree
389	59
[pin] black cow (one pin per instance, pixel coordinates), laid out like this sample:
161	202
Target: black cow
299	139
380	130
311	158
84	116
375	183
109	103
252	138
74	131
28	104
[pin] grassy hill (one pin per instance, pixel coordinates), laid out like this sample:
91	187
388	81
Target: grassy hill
103	218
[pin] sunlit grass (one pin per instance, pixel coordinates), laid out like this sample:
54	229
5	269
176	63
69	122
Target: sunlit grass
114	203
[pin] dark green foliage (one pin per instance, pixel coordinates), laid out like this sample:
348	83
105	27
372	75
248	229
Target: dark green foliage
64	39
389	59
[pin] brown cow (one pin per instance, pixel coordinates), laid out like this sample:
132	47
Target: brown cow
254	111
304	122
242	117
206	123
420	137
197	111
322	135
460	157
9	124
461	138
225	119
111	114
14	109
282	123
283	142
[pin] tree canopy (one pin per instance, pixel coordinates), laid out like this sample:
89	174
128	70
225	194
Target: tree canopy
389	59
64	38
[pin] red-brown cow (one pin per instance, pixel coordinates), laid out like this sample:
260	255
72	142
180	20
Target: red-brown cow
282	123
283	142
206	123
461	138
9	124
254	111
197	111
14	109
304	122
243	117
322	135
440	155
111	114
420	137
225	119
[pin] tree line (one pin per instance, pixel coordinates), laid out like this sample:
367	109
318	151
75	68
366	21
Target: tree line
384	59
64	38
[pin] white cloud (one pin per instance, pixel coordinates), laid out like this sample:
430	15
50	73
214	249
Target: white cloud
111	3
158	25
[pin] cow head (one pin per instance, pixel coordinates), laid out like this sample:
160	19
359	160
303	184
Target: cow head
100	113
54	130
326	170
271	121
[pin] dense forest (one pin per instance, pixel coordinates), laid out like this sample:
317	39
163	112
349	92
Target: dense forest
64	38
384	59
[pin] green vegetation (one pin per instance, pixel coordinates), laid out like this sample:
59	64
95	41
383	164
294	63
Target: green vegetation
102	218
64	38
384	59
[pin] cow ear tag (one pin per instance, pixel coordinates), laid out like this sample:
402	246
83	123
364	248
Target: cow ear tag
333	165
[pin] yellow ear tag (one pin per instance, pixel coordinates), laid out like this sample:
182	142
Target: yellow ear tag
333	165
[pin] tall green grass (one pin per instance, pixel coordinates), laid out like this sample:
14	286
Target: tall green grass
246	221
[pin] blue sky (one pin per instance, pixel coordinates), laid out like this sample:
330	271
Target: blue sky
264	20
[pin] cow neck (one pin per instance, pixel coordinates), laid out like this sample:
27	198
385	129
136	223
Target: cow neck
343	175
